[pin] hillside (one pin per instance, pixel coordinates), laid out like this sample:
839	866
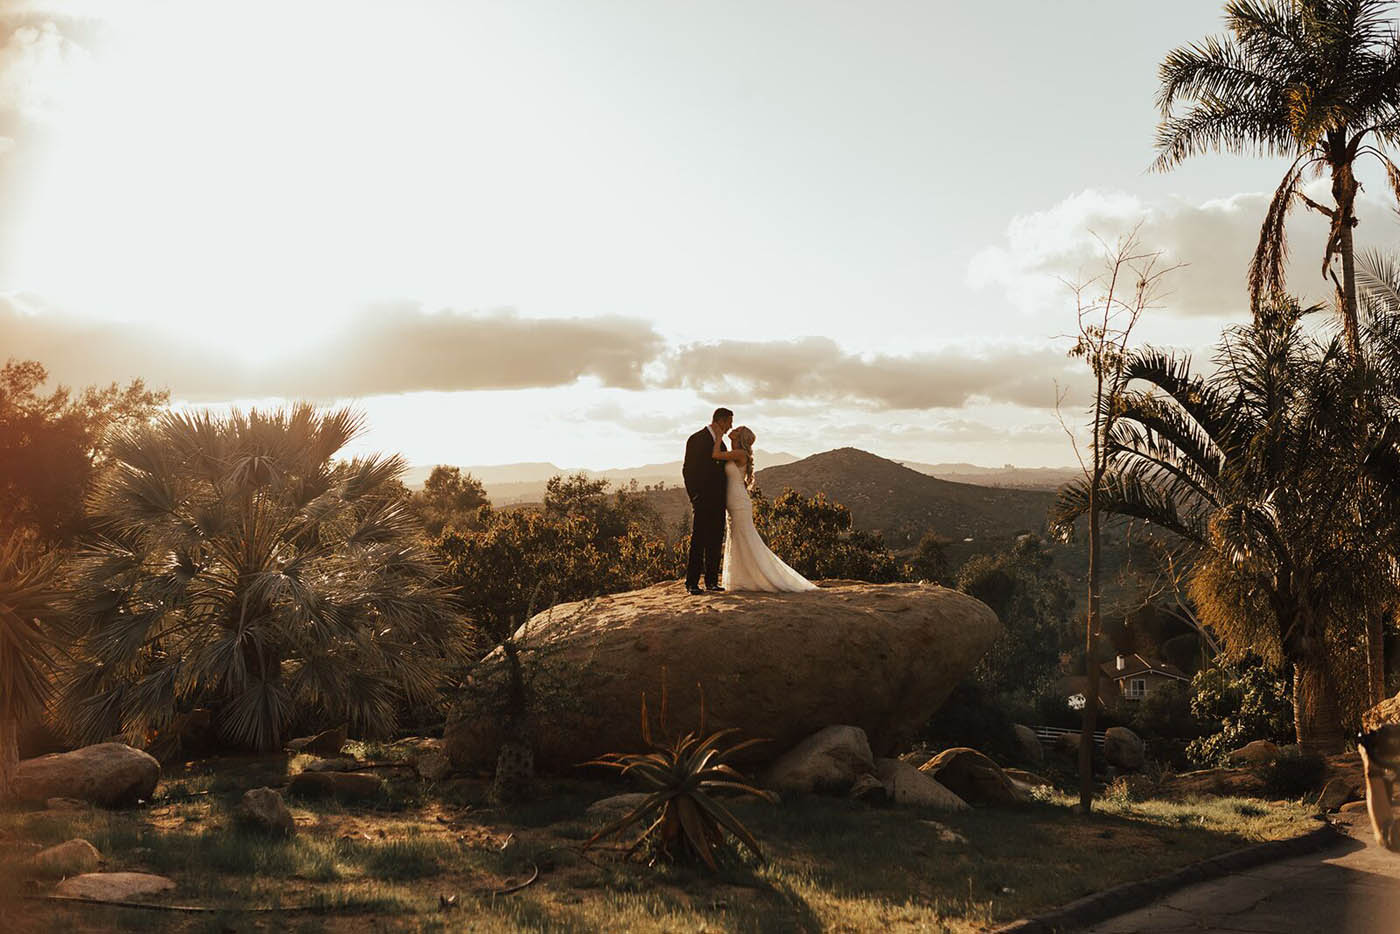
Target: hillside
905	504
1021	478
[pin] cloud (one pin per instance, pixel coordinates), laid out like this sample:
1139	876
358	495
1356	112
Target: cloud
1215	239
41	68
387	349
815	368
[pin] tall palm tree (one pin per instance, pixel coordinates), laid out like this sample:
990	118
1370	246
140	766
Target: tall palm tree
1316	81
241	568
29	607
1248	467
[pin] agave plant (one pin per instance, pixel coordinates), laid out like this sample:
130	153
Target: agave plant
682	817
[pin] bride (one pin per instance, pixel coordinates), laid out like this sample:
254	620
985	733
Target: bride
748	564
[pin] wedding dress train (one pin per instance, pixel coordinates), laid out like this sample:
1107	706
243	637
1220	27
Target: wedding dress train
748	563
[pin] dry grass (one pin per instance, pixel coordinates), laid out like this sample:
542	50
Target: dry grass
834	865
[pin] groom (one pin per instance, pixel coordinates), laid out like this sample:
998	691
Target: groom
704	484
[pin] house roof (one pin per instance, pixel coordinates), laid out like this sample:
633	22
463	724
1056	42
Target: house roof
1135	664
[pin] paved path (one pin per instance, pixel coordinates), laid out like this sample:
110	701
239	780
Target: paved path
1350	888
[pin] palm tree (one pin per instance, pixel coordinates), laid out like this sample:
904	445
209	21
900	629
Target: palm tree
29	605
1249	468
1316	81
240	568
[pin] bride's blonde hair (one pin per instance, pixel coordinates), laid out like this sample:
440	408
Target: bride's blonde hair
743	439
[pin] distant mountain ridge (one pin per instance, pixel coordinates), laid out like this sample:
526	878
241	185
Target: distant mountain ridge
1021	478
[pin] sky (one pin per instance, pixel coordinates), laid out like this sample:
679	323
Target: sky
563	231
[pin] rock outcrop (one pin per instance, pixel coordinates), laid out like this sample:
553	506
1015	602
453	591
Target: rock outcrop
109	774
829	760
882	657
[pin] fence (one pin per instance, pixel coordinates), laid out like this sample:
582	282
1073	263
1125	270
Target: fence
1048	734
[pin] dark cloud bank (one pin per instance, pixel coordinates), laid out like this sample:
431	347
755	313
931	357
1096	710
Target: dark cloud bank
400	348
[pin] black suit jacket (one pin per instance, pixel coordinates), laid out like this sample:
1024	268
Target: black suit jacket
704	476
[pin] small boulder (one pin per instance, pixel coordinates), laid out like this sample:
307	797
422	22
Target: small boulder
906	785
331	765
1066	744
114	886
1353	807
868	788
1124	749
109	774
1258	753
263	809
1335	793
66	804
432	766
327	743
617	806
344	786
972	776
1029	744
66	859
829	760
1029	779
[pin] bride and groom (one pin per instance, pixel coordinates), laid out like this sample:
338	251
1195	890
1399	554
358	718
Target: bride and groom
717	480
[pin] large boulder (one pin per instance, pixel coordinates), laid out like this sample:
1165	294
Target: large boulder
906	785
1031	751
882	657
344	786
1124	749
1258	753
109	774
829	760
972	776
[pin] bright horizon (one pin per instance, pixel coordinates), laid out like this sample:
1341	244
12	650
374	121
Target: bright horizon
517	233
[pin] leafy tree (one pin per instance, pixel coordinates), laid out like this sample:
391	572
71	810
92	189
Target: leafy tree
817	539
1314	81
29	609
51	446
1248	704
240	568
1252	468
1033	602
449	499
930	561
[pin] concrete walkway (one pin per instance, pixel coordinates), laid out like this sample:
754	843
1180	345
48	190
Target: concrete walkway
1350	888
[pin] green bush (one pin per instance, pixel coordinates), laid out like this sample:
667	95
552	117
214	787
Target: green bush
972	717
1295	776
1254	702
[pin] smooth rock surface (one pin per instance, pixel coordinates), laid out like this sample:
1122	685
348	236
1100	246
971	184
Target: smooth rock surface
114	886
264	809
882	657
331	765
66	859
1257	753
829	760
972	777
1124	749
109	774
906	785
1032	751
616	806
1335	793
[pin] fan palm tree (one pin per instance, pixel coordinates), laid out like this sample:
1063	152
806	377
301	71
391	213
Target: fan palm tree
240	568
1315	81
29	606
1252	468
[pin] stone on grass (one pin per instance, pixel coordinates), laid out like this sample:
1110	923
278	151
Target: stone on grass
114	886
327	743
617	806
906	785
263	809
778	666
432	765
945	833
66	859
109	774
1257	753
344	786
66	804
972	777
1124	749
331	765
829	760
1335	793
1029	744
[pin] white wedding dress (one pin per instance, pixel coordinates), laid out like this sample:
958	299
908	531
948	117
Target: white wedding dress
748	564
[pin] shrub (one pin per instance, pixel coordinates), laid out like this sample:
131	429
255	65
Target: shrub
1293	776
1253	703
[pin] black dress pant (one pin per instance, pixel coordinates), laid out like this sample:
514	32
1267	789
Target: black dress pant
706	543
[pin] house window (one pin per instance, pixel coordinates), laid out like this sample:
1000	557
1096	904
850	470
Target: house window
1137	688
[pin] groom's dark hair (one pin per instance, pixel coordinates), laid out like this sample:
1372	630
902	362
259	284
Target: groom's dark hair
720	415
